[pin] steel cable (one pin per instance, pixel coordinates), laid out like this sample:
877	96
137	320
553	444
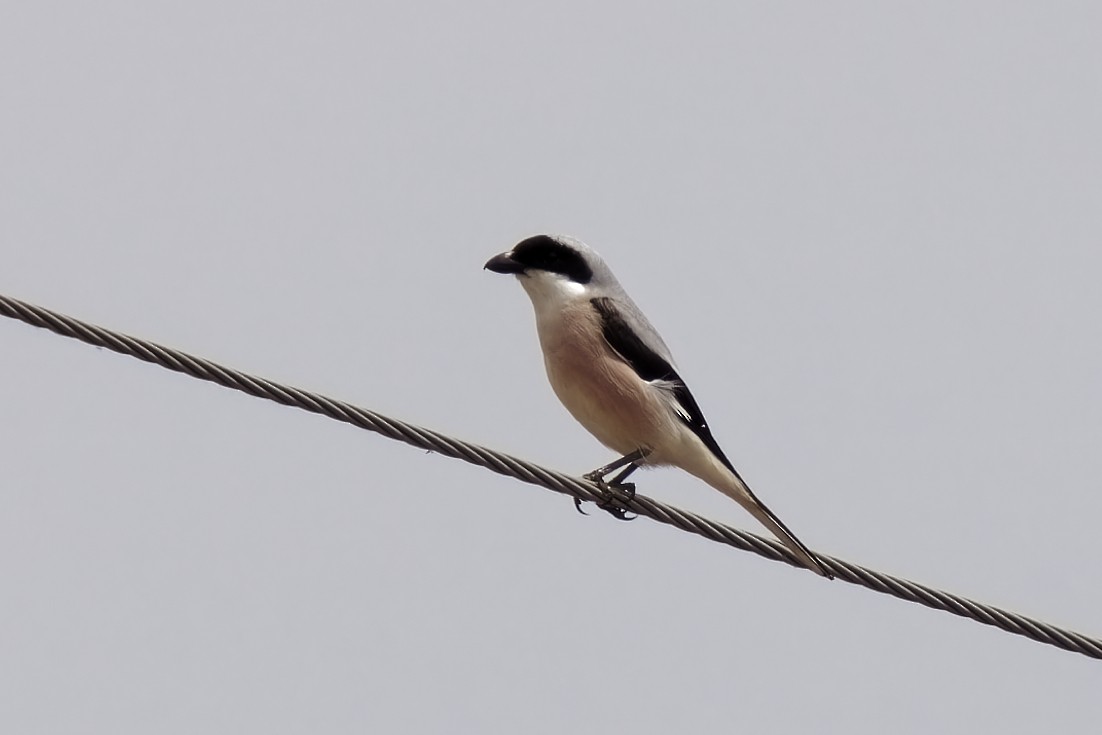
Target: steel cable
551	479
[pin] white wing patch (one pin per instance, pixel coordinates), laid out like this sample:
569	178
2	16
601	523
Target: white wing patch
669	389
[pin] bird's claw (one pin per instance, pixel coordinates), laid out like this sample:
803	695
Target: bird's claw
627	488
616	492
578	506
615	496
619	513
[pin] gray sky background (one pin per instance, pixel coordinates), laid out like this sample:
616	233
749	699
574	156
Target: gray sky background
871	233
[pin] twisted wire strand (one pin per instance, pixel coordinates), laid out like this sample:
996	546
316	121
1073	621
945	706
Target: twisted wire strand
505	464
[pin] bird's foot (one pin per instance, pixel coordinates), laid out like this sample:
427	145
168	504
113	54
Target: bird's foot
617	493
597	476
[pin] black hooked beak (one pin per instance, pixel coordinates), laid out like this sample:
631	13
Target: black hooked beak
503	263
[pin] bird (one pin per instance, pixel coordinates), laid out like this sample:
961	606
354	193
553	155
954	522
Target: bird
615	375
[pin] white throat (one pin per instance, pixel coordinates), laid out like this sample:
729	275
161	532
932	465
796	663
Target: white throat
551	293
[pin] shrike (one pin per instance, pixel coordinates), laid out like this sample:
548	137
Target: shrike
616	377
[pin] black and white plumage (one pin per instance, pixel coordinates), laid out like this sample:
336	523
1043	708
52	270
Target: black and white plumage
615	375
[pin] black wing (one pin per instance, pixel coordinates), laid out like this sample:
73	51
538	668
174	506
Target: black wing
651	366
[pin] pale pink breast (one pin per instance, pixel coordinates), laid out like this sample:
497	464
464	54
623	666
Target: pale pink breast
599	390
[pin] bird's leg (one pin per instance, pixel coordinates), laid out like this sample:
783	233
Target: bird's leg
632	460
627	487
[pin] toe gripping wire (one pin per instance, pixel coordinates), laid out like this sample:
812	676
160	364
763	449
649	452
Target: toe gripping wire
617	493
